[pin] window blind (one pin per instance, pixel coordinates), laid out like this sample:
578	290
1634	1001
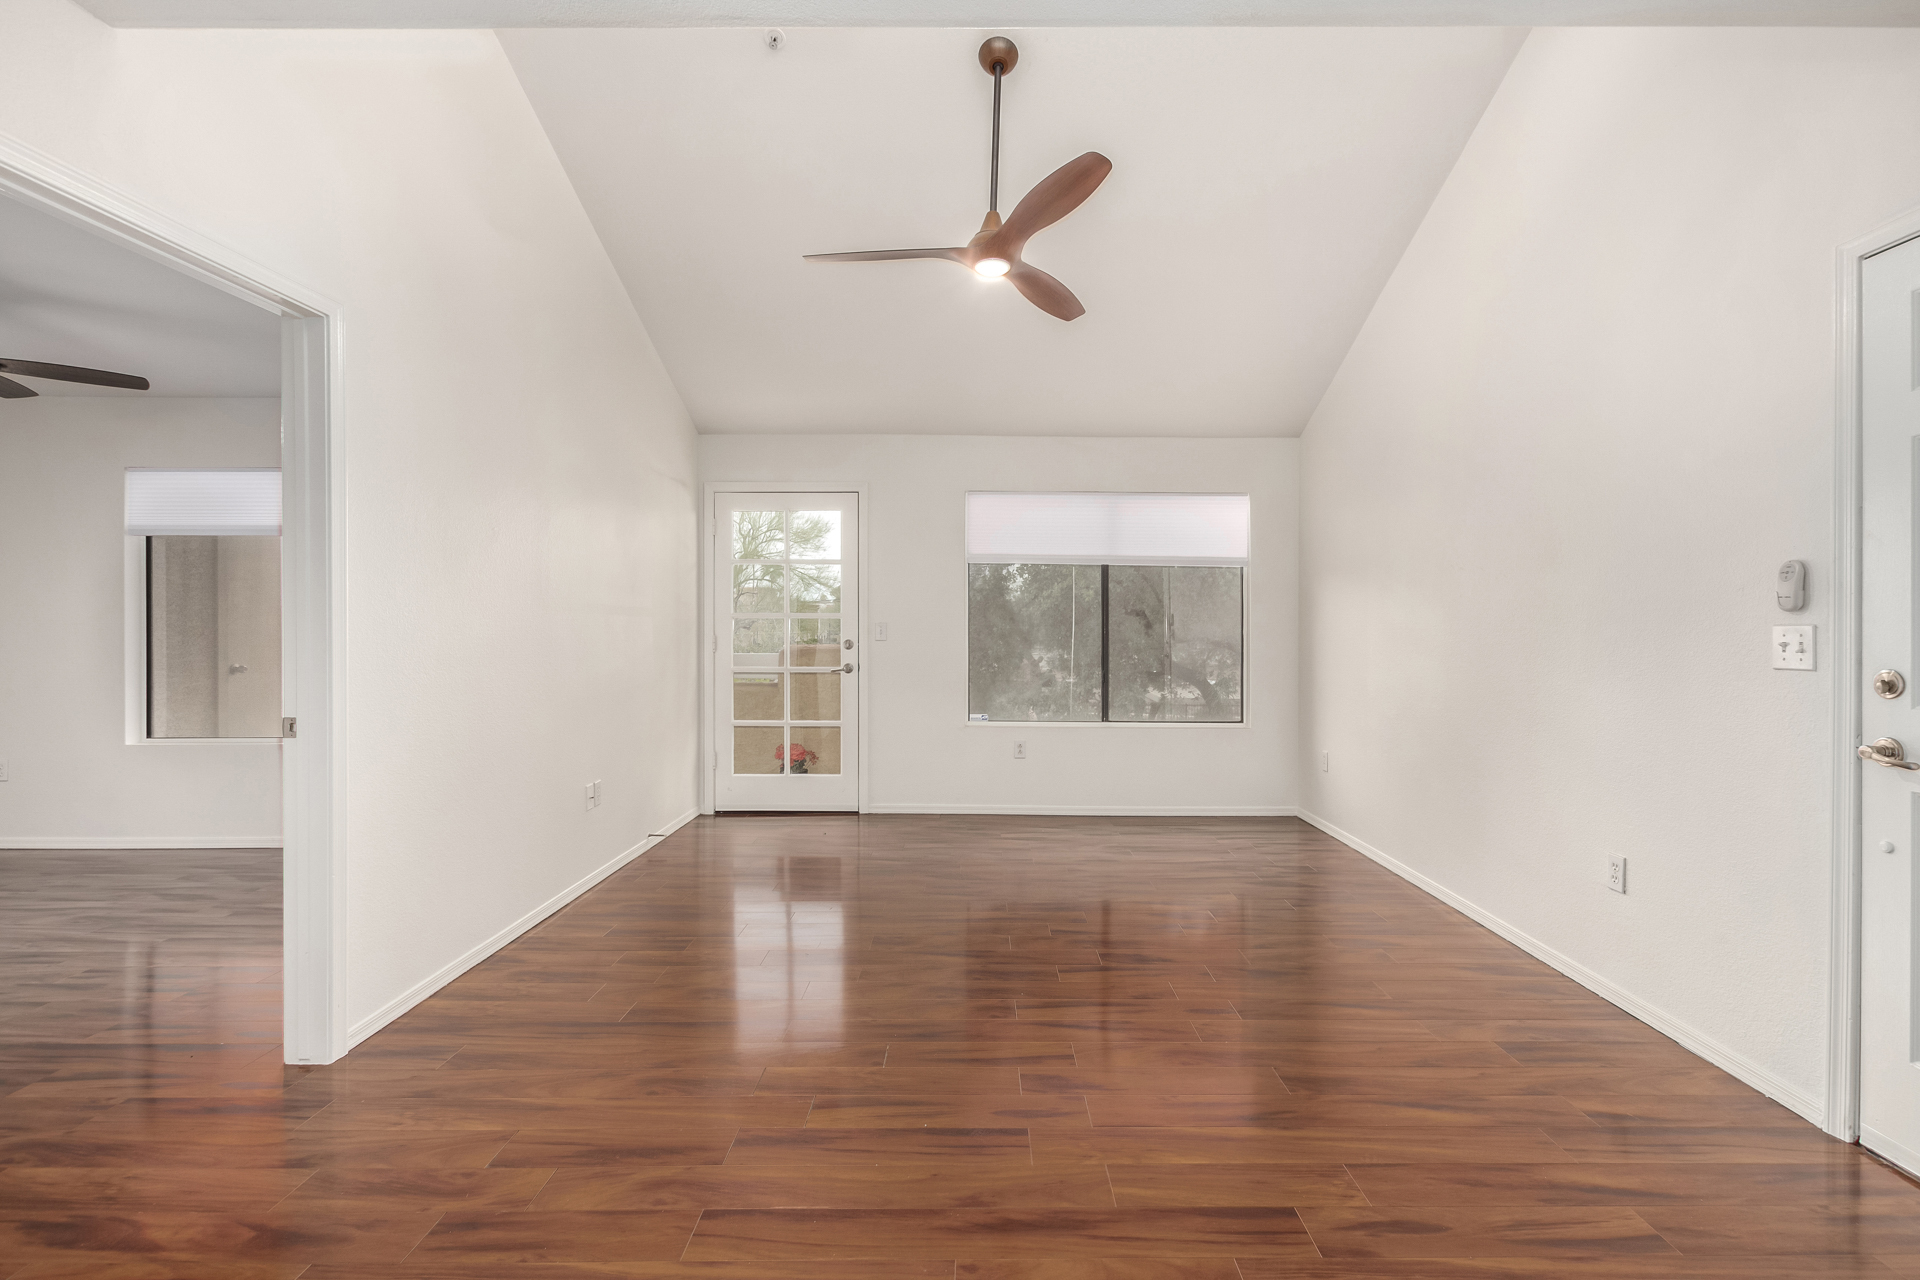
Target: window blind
1108	528
203	502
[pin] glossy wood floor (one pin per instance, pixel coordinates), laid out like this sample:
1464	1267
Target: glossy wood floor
878	1048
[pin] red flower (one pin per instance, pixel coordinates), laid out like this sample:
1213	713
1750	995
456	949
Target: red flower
797	754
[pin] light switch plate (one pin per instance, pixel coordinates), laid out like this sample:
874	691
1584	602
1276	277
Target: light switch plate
1793	648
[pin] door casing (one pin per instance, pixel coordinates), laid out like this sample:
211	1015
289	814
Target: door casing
709	637
313	578
1842	1118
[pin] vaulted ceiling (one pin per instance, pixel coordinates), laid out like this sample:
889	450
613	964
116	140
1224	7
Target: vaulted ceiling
1265	182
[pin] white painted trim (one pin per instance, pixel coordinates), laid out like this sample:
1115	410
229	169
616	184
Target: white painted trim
159	844
1104	811
427	986
1892	1152
1735	1064
313	630
1844	956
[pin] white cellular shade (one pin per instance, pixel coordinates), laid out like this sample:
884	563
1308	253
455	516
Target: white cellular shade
1107	528
203	502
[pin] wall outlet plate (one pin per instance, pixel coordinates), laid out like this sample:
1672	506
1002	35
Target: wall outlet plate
1019	751
1617	874
1326	761
1793	648
3	770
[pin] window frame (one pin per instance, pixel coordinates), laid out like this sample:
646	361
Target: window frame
1247	716
135	609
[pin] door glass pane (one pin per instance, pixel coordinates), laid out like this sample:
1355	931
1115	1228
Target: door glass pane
759	535
816	588
213	636
758	749
816	695
759	588
816	535
1033	641
758	642
759	696
816	642
815	751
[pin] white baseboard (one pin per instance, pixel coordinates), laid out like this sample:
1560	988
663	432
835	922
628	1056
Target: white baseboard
407	999
1733	1063
1101	811
1889	1150
108	843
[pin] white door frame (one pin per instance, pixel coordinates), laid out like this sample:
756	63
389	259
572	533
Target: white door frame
313	627
1843	1006
709	637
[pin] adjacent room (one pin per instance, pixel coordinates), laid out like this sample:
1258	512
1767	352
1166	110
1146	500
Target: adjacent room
770	642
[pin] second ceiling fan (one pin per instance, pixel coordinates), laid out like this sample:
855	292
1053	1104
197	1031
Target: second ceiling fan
995	250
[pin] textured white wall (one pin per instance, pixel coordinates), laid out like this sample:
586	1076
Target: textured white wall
923	755
520	549
74	780
1544	498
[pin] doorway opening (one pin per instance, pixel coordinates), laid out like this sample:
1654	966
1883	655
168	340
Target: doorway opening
201	659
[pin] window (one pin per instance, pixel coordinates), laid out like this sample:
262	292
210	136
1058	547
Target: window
1106	607
210	551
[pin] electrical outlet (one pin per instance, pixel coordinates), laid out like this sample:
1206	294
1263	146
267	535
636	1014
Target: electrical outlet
879	631
1326	761
1793	648
1617	874
3	770
1019	751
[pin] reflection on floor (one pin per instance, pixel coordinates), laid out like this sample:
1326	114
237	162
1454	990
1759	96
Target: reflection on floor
860	1049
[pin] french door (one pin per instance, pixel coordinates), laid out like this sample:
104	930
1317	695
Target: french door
1890	705
786	626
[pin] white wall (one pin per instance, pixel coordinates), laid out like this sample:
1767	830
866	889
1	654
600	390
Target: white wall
74	780
923	756
519	542
1544	498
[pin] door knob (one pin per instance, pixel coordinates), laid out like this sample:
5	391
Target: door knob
1888	752
1889	684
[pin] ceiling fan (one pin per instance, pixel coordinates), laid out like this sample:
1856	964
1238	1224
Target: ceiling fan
11	390
995	250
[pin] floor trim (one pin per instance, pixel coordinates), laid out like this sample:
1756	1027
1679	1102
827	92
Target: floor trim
109	843
427	986
1733	1063
1101	811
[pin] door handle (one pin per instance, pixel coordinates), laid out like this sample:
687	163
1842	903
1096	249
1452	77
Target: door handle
1888	752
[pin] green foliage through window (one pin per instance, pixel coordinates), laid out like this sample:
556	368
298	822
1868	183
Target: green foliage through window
1104	643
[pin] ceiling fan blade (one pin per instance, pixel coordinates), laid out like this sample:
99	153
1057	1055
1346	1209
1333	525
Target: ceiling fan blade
11	390
1044	292
888	255
73	373
1054	197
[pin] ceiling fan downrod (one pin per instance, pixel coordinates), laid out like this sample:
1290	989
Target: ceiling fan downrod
998	56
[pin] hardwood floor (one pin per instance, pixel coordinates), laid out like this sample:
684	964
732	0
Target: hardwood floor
840	1048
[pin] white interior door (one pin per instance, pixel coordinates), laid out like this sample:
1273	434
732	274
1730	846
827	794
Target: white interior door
1890	705
786	688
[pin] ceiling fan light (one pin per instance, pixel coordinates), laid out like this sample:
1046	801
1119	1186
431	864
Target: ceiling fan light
993	268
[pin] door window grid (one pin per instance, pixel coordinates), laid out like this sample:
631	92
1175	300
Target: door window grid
788	579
